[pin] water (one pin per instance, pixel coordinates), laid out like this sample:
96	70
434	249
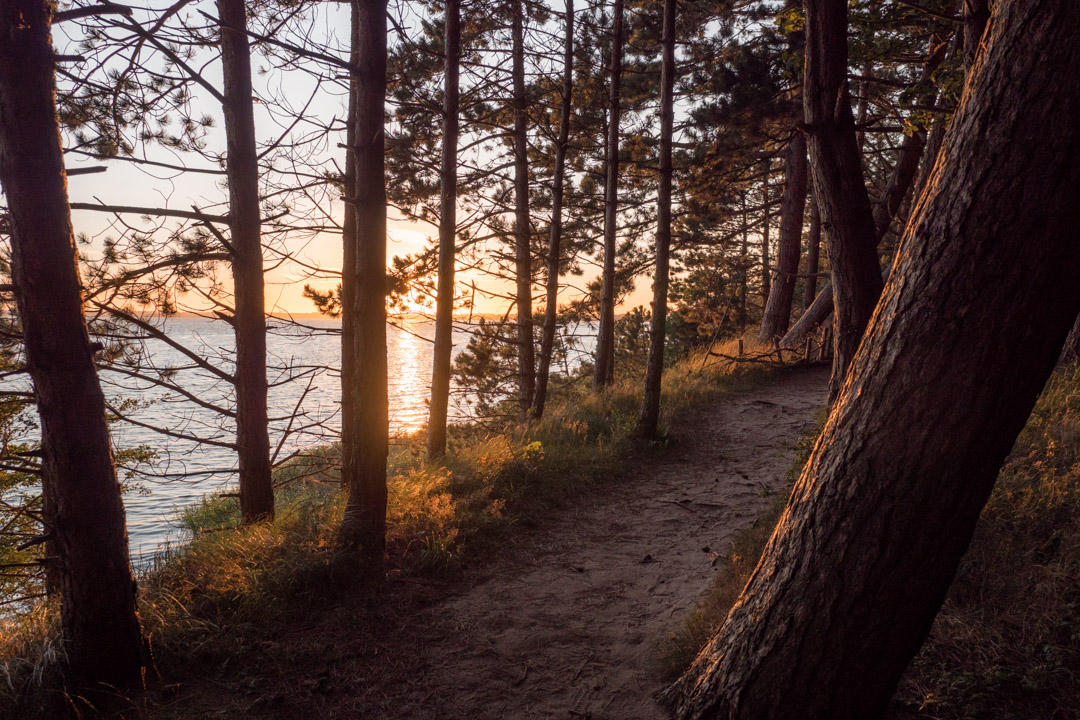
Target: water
304	401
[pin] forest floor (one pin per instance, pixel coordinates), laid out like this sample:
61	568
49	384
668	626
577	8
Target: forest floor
563	621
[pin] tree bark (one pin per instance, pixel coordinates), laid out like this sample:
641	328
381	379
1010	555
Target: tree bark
838	180
547	341
97	589
813	251
349	413
766	263
604	372
362	536
444	302
245	227
777	314
522	228
984	290
649	417
976	15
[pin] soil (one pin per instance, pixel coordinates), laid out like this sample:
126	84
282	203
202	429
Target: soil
564	624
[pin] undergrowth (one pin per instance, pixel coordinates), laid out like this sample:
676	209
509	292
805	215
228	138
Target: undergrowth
216	596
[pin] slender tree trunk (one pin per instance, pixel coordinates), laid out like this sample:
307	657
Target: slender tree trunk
838	180
362	535
777	314
812	252
766	262
522	228
604	372
547	342
654	370
349	413
860	562
744	276
444	303
97	589
245	226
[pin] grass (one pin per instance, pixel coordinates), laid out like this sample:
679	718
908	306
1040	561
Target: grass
1006	644
215	600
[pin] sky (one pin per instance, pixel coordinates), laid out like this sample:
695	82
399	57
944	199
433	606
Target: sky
127	184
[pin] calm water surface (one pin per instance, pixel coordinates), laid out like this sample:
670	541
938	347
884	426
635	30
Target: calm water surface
303	373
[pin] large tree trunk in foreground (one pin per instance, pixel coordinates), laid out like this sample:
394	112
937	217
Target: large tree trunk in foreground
654	370
522	226
444	303
362	535
984	290
245	226
838	180
97	589
604	372
547	341
792	204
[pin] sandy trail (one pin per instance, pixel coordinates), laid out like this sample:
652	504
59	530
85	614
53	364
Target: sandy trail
563	627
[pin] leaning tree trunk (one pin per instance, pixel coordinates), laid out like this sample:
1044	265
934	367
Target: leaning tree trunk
362	536
985	288
86	525
792	205
838	180
444	302
245	227
604	372
885	209
522	230
649	417
547	341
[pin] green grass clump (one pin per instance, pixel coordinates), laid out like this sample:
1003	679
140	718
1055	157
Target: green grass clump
1006	644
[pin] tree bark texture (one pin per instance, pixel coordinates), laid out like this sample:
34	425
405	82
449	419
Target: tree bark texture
838	179
348	239
547	341
984	289
444	303
976	15
245	228
97	589
522	226
649	417
813	251
363	458
777	315
604	372
766	263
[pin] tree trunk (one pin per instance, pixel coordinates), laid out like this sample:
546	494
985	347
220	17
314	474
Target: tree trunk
766	263
245	228
97	589
976	14
547	342
604	372
444	302
813	250
349	241
522	229
985	288
838	180
654	370
362	536
777	314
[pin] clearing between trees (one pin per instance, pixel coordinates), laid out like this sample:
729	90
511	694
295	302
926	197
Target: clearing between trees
562	624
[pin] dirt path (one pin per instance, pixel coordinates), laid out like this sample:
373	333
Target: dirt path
563	628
